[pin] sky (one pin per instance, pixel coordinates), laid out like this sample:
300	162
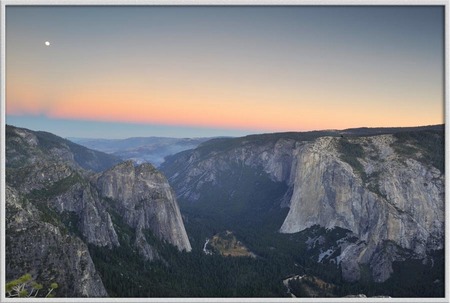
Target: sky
201	71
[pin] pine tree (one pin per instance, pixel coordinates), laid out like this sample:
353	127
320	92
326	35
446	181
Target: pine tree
25	287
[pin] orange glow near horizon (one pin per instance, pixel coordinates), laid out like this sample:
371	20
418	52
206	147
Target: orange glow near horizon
165	109
181	102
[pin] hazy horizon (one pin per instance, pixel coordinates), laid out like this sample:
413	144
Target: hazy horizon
202	71
144	131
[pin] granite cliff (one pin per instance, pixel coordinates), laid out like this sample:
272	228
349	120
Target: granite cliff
54	197
385	186
147	202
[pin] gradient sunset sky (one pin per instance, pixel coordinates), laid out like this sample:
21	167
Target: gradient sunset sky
124	71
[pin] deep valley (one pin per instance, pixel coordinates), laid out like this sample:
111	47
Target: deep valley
313	214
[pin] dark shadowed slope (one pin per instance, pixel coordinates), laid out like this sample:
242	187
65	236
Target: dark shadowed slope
55	147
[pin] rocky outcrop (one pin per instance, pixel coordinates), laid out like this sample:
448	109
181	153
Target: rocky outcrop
63	189
36	245
59	208
146	200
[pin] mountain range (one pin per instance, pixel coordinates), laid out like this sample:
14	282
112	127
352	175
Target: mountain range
385	186
360	209
141	149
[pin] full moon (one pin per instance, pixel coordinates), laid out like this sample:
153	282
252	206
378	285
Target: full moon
47	43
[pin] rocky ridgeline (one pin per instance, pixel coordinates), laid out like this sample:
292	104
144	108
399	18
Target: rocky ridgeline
388	194
55	207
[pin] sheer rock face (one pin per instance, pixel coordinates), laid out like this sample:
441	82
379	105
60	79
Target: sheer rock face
393	202
195	170
403	203
46	251
146	201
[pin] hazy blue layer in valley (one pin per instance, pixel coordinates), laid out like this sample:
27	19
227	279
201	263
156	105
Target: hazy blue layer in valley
141	149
